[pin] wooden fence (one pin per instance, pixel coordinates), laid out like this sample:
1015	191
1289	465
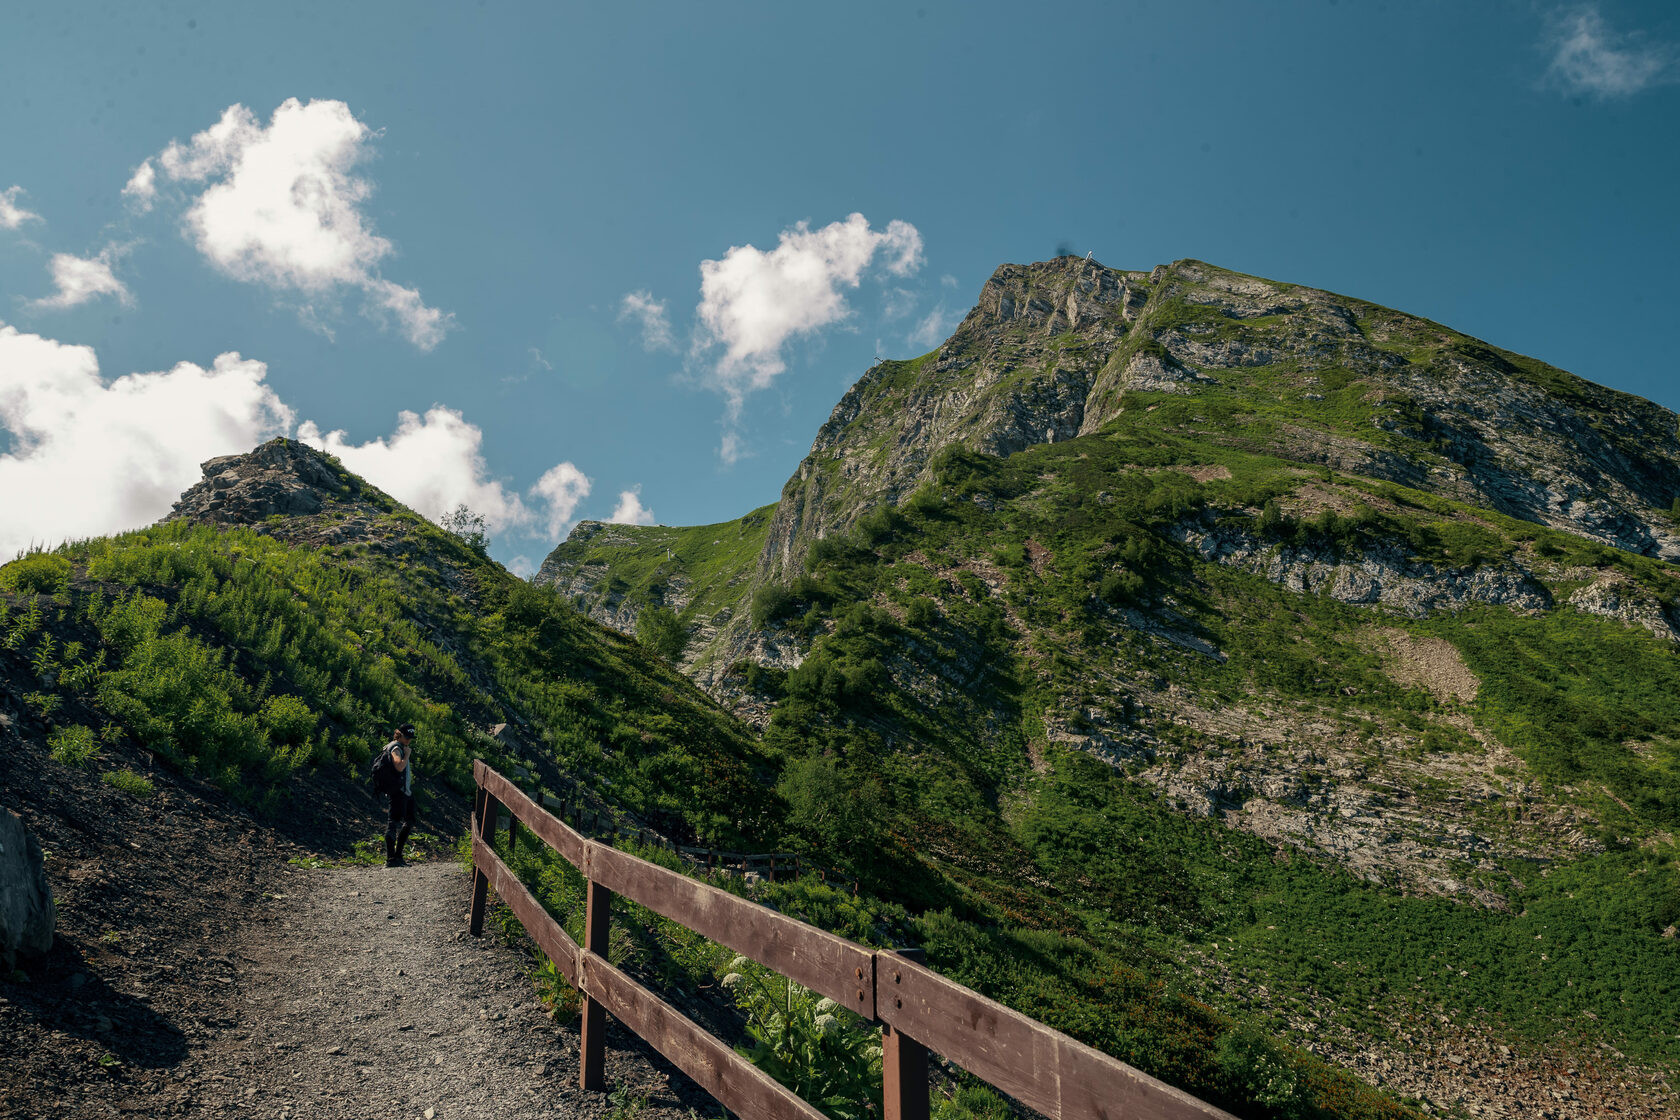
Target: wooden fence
917	1008
609	825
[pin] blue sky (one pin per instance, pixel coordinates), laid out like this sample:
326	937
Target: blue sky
562	261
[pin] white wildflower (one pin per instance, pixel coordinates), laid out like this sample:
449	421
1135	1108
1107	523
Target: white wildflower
732	979
826	1006
827	1025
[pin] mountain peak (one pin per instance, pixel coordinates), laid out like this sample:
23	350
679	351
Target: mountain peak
280	478
1064	348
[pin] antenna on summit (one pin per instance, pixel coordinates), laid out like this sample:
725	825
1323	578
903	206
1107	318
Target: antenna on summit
1088	254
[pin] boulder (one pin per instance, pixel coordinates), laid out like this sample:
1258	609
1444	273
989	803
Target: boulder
26	903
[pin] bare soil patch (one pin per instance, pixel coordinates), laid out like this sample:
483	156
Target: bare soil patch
1207	472
1430	663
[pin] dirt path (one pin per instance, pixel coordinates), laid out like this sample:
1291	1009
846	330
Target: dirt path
361	995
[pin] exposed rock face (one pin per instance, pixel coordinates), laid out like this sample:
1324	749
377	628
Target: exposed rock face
1382	574
1377	808
590	583
1625	600
280	478
1016	373
27	914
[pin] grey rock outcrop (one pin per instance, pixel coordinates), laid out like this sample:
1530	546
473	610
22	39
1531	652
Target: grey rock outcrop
27	914
1016	373
1627	602
281	478
1380	575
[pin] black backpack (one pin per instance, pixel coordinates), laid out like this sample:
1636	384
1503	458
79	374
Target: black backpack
386	778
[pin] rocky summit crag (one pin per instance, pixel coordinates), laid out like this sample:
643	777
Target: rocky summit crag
281	483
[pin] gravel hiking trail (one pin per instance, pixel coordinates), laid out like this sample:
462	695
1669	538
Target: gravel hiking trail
358	994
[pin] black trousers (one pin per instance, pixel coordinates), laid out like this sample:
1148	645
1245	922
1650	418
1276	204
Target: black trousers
401	822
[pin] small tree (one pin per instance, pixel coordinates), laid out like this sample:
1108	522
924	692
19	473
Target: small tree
469	526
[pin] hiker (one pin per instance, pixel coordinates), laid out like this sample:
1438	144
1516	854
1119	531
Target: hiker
401	750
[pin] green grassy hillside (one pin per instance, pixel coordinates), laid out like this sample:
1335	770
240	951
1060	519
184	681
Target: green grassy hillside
945	639
243	658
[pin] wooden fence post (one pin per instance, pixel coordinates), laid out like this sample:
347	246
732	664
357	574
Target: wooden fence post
904	1061
592	1074
486	827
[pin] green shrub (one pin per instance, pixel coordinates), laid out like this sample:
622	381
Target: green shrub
129	782
470	527
41	573
770	603
1121	587
74	745
921	613
659	629
288	719
1262	1072
1012	555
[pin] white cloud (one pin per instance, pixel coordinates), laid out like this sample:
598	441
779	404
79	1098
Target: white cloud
931	330
751	301
1589	58
562	487
537	357
282	208
89	458
898	303
141	188
730	449
80	279
522	566
12	216
948	281
435	462
649	314
431	464
424	326
629	510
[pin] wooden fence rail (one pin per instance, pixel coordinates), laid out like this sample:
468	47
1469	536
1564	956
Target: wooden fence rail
917	1008
767	865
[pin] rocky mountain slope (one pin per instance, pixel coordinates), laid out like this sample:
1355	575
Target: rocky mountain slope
1294	569
1054	350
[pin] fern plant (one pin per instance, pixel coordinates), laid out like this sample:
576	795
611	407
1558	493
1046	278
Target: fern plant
820	1050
